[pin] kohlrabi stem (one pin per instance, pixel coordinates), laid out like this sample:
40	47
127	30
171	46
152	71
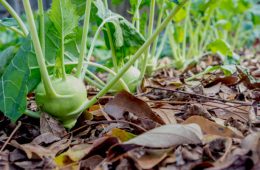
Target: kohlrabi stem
15	16
121	81
91	49
236	36
112	47
93	83
159	20
172	42
150	31
205	30
62	53
95	77
111	44
137	55
136	18
16	30
41	26
84	38
186	22
159	51
32	114
39	55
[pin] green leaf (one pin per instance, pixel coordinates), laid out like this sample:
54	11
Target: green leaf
80	6
256	14
180	16
8	22
64	17
220	46
52	46
179	34
5	58
16	81
126	38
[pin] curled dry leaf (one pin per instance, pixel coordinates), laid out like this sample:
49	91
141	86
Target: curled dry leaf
168	136
126	102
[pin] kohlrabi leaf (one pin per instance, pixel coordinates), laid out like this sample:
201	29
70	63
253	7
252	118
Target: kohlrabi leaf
53	46
16	81
220	46
8	22
5	58
64	16
125	37
80	6
180	16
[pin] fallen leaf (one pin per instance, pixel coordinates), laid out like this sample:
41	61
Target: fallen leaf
168	136
213	90
149	159
45	138
212	128
126	102
50	125
91	162
122	135
33	151
168	114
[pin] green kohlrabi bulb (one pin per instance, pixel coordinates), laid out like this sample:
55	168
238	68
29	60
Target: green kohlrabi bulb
130	77
71	95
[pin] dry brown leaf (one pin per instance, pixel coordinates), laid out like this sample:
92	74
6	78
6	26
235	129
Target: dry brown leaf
33	150
126	102
167	115
212	128
50	125
149	159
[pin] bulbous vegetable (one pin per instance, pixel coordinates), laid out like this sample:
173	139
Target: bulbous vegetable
130	78
71	95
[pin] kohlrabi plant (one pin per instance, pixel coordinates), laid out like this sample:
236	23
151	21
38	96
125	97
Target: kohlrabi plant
49	63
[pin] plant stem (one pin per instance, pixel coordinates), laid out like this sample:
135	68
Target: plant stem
39	55
95	78
236	36
121	81
32	114
158	24
111	43
15	16
91	49
93	83
161	45
206	30
63	70
137	55
41	27
84	38
136	18
184	49
112	47
150	31
172	42
16	30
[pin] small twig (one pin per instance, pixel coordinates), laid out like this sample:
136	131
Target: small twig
10	137
199	95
